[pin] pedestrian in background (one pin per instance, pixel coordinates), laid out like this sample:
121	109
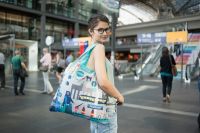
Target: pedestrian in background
69	58
60	62
46	62
17	64
166	62
2	70
99	30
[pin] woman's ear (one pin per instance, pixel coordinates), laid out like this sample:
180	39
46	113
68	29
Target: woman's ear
90	31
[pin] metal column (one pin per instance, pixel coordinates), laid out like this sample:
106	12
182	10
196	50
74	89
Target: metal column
42	24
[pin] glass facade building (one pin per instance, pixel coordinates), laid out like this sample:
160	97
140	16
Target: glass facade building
36	19
25	24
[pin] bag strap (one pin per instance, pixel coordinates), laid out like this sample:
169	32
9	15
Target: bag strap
170	60
86	55
20	62
86	51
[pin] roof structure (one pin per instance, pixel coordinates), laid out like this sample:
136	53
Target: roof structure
139	11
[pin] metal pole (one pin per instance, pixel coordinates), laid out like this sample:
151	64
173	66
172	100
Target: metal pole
13	43
113	39
76	25
181	62
141	75
50	49
64	52
42	24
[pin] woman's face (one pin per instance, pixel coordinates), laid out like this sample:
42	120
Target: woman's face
45	51
101	32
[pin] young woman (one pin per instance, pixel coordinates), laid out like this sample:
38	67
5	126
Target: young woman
60	62
46	61
166	62
99	30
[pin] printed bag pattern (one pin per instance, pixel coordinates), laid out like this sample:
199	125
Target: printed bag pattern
79	93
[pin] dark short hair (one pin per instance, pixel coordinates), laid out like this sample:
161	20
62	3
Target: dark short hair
95	19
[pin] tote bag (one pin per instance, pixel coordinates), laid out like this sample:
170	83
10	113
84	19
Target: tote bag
44	68
79	93
23	73
174	69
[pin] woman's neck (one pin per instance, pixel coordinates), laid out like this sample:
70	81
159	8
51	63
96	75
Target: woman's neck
96	42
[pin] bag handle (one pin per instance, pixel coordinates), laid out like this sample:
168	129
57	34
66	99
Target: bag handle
170	60
86	51
86	55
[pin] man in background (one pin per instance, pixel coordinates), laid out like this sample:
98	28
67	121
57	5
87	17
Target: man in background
2	70
17	64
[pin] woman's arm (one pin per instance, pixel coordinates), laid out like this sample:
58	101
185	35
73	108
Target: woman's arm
100	69
42	59
57	58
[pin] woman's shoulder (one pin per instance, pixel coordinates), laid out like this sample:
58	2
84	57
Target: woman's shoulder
98	45
99	48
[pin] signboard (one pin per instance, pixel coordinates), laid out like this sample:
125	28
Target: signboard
66	42
160	38
151	38
179	36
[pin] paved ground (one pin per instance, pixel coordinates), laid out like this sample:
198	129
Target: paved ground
143	112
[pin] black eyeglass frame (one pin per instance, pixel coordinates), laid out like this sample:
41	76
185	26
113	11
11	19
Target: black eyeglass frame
102	30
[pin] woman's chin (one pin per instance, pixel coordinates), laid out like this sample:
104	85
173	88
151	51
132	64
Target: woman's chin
104	40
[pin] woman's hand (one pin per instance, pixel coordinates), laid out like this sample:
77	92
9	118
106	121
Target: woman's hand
120	100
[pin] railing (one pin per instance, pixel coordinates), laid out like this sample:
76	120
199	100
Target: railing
192	71
123	68
152	63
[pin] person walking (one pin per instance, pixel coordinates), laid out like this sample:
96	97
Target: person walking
46	62
2	70
60	62
166	62
17	65
99	30
69	58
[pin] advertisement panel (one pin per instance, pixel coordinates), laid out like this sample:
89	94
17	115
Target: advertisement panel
177	37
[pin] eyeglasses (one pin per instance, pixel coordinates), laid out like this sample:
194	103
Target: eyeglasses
102	30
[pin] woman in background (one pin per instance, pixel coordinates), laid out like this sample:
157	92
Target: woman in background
46	62
166	62
60	62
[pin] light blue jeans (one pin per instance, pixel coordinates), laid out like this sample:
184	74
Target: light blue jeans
110	127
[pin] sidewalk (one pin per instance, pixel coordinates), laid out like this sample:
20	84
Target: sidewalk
143	111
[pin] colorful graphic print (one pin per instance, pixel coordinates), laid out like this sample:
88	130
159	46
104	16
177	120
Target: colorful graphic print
80	95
